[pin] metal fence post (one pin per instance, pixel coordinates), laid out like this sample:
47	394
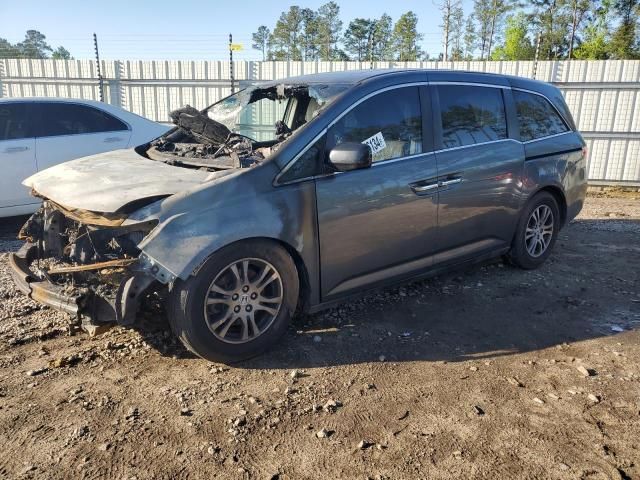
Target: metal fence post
100	84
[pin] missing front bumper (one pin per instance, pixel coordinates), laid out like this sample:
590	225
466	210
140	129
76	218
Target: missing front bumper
81	302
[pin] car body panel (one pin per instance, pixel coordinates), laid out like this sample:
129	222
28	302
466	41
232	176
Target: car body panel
18	159
55	150
481	211
241	206
108	181
371	220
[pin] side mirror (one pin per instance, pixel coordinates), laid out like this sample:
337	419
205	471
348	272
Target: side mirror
350	156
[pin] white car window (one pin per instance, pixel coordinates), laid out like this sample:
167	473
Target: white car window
73	119
14	121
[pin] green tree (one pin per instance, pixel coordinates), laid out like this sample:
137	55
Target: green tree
552	19
457	33
407	38
482	12
284	39
579	10
382	42
595	37
34	45
448	9
517	45
470	37
624	44
357	38
61	53
309	39
8	50
261	40
329	29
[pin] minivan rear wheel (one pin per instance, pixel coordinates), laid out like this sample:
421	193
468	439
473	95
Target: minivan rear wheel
238	304
537	232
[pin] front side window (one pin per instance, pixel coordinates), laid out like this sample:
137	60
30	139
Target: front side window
390	123
14	121
73	119
308	164
537	117
471	115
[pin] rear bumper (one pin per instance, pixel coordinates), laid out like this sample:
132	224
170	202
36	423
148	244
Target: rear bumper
41	291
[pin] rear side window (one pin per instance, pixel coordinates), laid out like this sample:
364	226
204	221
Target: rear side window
14	121
73	119
471	115
390	123
537	117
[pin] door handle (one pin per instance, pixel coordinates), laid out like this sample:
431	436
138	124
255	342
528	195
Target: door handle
453	181
112	139
15	149
424	188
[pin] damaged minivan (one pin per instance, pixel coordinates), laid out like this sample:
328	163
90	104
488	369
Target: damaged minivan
292	195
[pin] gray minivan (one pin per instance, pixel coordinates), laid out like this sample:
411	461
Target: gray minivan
295	194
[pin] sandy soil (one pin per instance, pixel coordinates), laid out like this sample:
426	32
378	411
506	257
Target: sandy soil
492	372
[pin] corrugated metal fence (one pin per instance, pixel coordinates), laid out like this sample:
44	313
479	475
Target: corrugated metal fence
604	96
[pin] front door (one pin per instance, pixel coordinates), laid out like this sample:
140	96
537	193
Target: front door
379	222
479	170
17	155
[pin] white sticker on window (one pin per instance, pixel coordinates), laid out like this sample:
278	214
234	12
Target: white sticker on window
376	143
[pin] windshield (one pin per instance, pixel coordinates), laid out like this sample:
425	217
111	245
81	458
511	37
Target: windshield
267	113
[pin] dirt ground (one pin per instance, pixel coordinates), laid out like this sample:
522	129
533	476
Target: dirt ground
492	372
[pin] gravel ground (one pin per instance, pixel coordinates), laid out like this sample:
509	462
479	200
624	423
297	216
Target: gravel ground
491	372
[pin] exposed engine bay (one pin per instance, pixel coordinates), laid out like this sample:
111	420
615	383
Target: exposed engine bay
233	133
90	260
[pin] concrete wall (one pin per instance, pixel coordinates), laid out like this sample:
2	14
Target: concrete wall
603	95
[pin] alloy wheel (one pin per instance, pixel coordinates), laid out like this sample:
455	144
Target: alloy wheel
243	300
539	231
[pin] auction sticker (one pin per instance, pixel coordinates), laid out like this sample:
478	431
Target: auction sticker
376	143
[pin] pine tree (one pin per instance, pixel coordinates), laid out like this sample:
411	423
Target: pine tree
470	37
406	38
382	42
624	43
329	28
261	40
357	38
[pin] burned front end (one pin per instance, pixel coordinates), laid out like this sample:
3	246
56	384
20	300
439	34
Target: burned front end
83	263
106	237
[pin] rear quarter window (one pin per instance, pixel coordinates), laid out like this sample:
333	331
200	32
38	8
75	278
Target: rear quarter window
537	117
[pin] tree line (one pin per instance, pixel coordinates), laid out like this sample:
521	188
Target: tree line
492	30
34	45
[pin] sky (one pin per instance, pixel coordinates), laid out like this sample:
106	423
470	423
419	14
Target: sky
183	29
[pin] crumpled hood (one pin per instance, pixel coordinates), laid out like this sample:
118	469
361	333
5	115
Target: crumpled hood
108	181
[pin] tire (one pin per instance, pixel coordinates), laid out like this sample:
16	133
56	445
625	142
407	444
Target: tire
521	253
216	292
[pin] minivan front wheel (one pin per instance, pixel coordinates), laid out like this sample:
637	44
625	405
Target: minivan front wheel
238	304
537	232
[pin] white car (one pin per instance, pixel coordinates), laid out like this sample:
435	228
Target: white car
36	133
